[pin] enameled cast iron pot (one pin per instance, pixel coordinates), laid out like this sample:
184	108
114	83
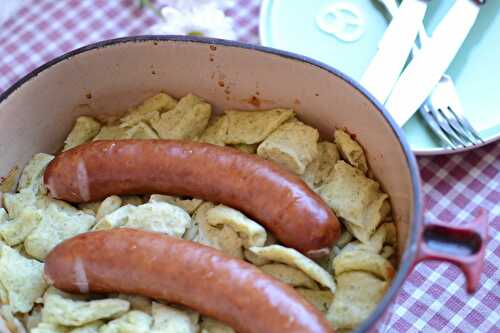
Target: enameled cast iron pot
108	77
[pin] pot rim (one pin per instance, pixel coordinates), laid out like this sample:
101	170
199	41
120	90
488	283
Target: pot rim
409	255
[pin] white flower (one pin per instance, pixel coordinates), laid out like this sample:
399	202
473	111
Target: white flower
190	17
184	5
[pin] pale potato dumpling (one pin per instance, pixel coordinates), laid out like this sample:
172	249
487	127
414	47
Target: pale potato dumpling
141	131
296	259
374	214
137	302
321	299
351	151
115	219
112	132
320	168
4	294
326	261
3	216
84	130
22	251
250	149
293	146
191	232
92	327
49	328
14	203
31	187
355	198
33	318
391	235
358	293
60	221
357	246
254	258
159	217
359	260
210	325
167	319
289	275
189	205
134	200
90	207
15	231
250	232
107	206
186	121
385	233
131	322
377	240
149	111
199	216
216	132
12	323
249	127
32	175
345	237
61	309
387	251
225	239
154	216
9	182
21	278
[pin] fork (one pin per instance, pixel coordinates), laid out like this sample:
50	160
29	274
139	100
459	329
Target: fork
442	111
446	112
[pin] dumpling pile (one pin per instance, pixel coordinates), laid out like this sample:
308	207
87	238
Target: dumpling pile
346	285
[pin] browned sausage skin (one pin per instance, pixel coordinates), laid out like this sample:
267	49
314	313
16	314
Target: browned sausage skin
183	272
278	199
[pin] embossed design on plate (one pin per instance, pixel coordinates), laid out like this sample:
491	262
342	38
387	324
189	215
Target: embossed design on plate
344	20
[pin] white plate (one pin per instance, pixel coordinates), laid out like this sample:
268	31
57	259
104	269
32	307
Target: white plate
291	25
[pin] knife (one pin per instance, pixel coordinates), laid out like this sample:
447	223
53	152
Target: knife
394	49
428	66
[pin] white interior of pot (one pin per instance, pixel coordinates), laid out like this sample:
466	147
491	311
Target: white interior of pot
38	115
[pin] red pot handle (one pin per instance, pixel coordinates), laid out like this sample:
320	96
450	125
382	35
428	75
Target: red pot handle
462	245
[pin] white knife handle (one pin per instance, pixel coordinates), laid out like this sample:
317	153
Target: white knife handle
427	67
394	49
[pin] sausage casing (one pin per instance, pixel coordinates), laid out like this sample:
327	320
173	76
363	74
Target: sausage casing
183	272
274	197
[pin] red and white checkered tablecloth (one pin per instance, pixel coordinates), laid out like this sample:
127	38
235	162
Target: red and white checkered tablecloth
433	299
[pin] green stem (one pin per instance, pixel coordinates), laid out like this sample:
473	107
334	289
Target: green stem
148	4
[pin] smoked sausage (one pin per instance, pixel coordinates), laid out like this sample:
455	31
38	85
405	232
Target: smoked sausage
178	271
274	197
